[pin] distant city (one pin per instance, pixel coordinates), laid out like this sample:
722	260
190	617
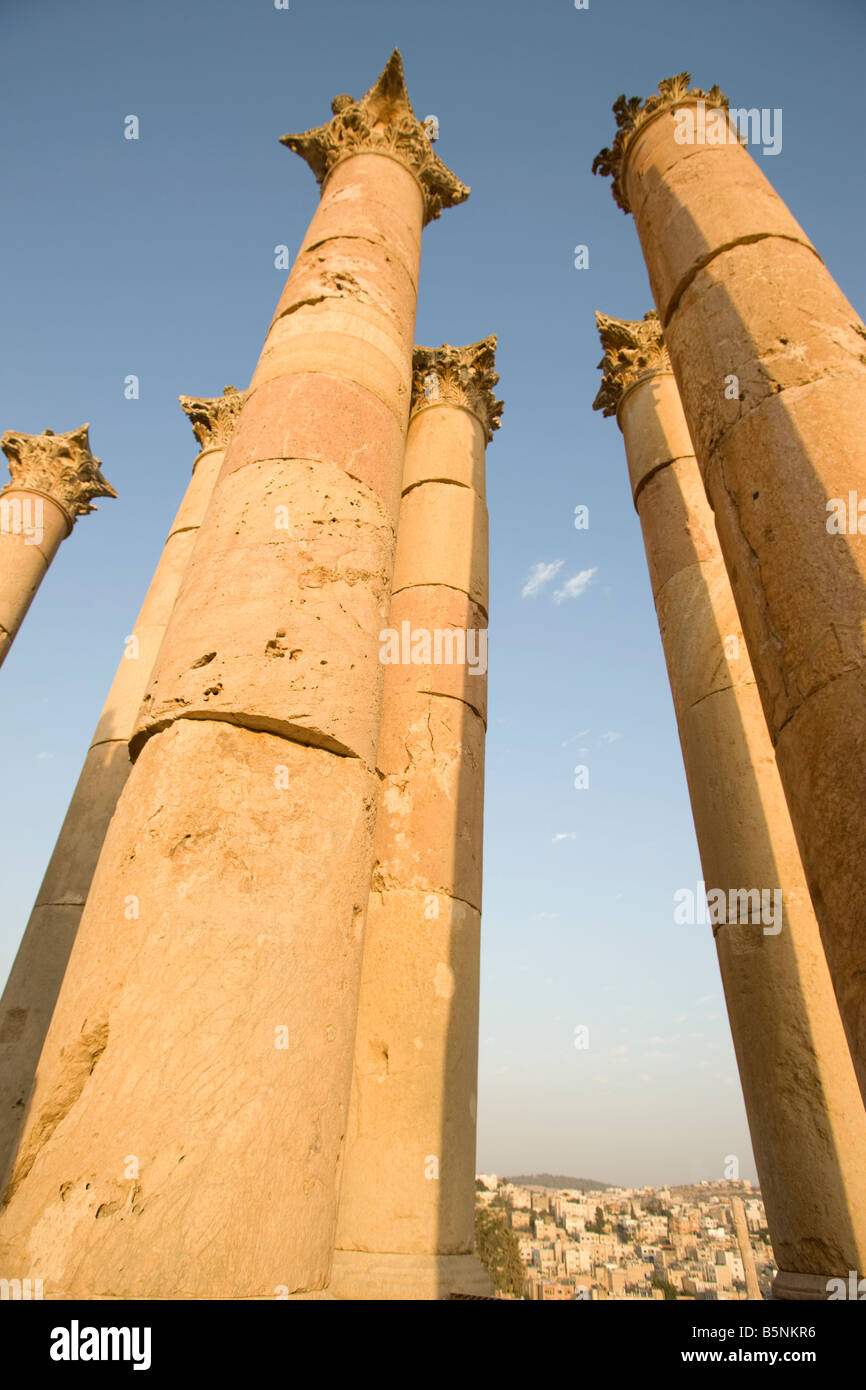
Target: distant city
580	1239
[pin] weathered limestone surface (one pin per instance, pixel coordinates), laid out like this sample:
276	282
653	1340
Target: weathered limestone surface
806	1119
741	292
54	480
219	1023
31	990
406	1222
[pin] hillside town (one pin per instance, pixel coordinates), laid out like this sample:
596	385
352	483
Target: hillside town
707	1242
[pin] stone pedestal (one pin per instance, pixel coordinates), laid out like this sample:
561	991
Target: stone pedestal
407	1201
769	360
211	1036
54	480
806	1120
31	990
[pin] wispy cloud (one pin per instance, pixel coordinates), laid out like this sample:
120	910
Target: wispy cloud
564	835
610	737
574	587
540	575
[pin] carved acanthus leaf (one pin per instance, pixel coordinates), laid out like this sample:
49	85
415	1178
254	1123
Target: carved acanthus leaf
60	465
213	418
461	376
382	122
633	112
631	348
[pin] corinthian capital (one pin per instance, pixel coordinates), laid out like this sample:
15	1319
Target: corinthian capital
382	122
59	465
633	112
461	376
213	418
631	348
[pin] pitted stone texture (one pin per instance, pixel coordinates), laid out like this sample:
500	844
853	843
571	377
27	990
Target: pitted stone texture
163	1045
429	826
412	1138
443	540
354	272
279	629
698	199
36	976
447	445
345	312
369	199
439	609
318	417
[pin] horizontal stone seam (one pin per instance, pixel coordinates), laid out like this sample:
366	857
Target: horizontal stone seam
791	390
181	530
101	742
339	750
305	458
434	695
722	690
694	270
657	468
451	482
402	418
422	892
684	569
438	585
816	690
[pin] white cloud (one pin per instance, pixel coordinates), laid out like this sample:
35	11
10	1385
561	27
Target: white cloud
610	737
574	587
540	575
564	835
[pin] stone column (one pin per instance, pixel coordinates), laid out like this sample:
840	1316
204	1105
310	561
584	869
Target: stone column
211	1037
769	359
806	1120
747	1254
31	990
54	480
407	1200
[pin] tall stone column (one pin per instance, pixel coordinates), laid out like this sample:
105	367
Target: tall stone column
31	990
211	1037
769	359
747	1254
54	480
407	1199
806	1119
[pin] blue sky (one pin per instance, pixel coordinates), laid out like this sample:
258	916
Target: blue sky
156	257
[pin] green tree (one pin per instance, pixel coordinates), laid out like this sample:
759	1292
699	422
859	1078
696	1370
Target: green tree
497	1249
667	1289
